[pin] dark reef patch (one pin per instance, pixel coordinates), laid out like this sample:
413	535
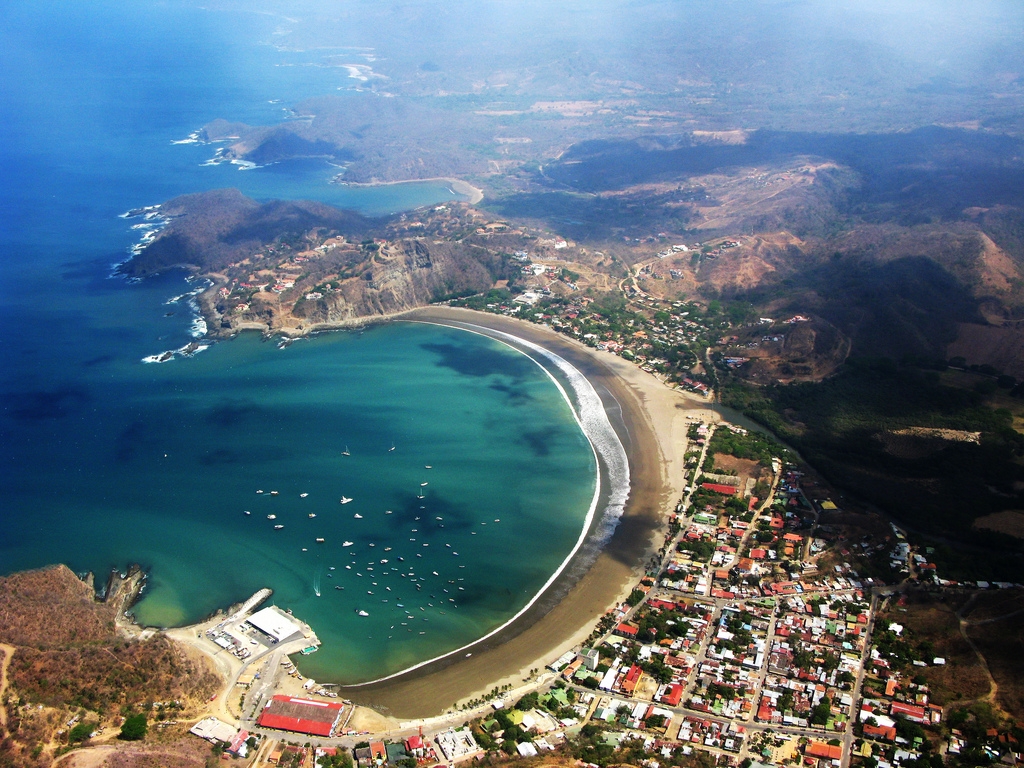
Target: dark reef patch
539	440
474	361
42	405
230	414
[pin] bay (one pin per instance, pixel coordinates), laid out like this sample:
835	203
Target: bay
106	460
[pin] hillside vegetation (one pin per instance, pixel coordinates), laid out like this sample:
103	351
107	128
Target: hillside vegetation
71	663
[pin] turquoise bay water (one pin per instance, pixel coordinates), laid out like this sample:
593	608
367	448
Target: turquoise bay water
158	464
106	461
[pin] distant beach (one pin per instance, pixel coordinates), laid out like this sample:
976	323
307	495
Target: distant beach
650	420
475	194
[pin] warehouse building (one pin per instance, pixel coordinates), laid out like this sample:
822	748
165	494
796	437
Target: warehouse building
287	713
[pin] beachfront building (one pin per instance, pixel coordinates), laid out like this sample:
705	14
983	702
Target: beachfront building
287	713
458	744
275	624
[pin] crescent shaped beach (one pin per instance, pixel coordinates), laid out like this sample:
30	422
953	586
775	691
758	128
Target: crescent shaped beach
650	420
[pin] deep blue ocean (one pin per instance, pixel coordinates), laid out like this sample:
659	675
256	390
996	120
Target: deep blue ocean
107	460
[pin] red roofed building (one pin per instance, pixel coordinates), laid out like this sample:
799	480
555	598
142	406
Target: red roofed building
823	750
629	682
673	695
414	746
286	713
758	554
725	490
237	746
378	752
885	732
626	630
676	661
910	711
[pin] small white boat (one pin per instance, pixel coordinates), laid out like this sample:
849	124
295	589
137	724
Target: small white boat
274	493
312	514
345	499
248	512
428	466
345	452
362	613
423	485
271	517
391	448
278	527
346	543
320	540
303	495
331	568
258	492
357	516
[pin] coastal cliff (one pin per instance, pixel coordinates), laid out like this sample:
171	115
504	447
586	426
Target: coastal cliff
296	266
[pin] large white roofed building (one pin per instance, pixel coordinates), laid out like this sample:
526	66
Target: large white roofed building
274	622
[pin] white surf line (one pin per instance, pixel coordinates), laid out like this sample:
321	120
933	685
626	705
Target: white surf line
591	418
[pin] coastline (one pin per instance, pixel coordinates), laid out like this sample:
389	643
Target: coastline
649	419
475	194
611	483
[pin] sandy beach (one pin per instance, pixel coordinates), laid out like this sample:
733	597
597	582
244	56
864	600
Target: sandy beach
651	422
475	194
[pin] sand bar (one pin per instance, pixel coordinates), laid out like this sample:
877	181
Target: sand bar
651	422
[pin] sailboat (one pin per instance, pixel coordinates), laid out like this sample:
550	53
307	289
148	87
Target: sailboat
391	448
345	499
345	452
419	494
